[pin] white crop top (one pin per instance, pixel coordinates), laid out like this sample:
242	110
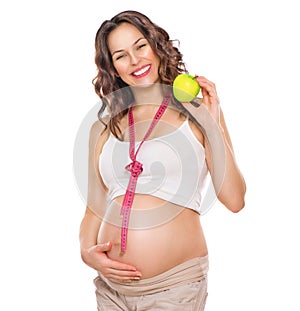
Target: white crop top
174	167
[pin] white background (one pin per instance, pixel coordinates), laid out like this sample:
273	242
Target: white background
250	49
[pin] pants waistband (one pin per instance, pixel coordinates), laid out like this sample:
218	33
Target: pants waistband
187	272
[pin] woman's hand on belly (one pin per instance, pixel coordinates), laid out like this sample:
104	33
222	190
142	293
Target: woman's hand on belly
97	258
156	250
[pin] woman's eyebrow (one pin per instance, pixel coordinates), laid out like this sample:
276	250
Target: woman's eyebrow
135	42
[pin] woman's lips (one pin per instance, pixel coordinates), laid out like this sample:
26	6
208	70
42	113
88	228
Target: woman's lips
141	72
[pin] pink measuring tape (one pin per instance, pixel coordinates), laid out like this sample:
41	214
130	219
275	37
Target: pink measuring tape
135	168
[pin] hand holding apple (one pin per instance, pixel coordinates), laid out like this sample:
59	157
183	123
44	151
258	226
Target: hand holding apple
185	89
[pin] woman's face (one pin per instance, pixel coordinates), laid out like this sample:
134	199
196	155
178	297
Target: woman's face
133	58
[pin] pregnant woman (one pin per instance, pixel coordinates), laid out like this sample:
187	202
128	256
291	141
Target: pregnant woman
149	163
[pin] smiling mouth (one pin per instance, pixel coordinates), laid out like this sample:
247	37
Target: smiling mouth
141	72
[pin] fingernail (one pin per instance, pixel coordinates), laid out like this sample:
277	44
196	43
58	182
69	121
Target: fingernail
136	278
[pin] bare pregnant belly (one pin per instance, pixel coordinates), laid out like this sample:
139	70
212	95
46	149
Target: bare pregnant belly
158	238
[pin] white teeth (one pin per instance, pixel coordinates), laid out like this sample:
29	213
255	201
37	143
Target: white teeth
140	72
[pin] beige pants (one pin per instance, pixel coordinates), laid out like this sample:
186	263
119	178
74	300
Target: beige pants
182	288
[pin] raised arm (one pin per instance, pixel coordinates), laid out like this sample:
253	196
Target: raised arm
228	181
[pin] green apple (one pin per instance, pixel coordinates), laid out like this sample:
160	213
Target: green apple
185	87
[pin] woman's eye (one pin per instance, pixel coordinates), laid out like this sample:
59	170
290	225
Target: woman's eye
120	56
141	46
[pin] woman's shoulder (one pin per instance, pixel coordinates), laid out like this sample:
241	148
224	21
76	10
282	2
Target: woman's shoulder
99	133
196	131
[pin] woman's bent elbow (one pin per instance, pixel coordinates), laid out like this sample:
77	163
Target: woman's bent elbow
236	205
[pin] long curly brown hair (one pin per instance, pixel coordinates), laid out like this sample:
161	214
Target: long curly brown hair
107	83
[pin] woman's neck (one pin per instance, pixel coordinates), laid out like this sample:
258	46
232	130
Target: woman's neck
148	94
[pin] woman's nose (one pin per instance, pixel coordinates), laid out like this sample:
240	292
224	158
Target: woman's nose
133	58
